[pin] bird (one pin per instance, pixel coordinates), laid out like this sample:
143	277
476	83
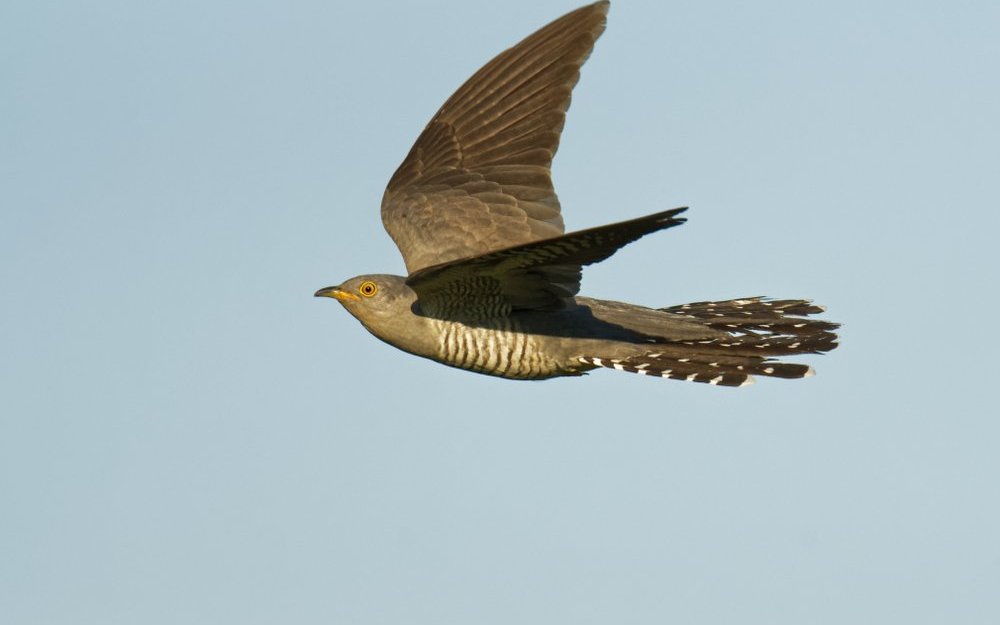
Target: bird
493	279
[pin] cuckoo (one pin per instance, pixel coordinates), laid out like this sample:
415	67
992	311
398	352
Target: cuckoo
492	276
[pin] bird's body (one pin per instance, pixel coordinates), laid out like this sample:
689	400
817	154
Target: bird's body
694	342
493	281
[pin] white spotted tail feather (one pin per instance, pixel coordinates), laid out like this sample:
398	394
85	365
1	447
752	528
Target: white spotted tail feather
759	330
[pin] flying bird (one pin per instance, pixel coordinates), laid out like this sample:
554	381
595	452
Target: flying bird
493	279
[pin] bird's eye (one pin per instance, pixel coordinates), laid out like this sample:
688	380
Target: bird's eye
368	288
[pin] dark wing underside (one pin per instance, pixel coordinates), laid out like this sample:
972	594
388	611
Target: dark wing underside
539	275
478	178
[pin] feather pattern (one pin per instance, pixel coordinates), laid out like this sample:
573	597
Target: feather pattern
539	275
478	178
756	330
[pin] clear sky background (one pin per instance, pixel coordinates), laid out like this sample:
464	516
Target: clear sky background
188	436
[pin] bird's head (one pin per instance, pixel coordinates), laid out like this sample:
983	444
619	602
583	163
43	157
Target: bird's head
373	299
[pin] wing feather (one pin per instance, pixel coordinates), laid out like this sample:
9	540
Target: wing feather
539	275
478	178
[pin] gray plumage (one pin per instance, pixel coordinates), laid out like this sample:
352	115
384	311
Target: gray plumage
493	281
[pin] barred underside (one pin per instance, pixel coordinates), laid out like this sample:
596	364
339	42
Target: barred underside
758	331
502	349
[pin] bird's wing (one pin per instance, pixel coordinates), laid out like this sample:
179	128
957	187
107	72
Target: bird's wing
539	275
478	178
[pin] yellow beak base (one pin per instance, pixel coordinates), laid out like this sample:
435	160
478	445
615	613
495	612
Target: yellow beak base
336	293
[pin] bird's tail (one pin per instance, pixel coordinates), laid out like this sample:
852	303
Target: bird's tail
758	331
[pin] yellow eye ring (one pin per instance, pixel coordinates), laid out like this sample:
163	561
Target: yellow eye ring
368	288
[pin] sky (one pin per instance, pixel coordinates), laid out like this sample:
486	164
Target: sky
188	436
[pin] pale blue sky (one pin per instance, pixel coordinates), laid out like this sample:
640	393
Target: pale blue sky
188	436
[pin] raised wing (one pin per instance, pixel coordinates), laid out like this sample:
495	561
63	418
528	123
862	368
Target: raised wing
533	276
478	178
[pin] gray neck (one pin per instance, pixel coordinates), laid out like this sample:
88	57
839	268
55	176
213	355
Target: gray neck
402	328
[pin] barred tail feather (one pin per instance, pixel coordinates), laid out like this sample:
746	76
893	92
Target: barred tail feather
758	331
661	366
757	317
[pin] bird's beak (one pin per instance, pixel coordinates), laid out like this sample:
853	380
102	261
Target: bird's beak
336	293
